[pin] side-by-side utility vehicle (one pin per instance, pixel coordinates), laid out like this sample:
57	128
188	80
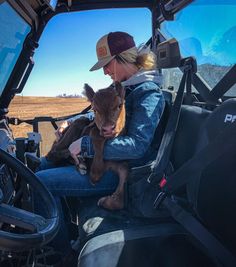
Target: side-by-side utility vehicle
180	209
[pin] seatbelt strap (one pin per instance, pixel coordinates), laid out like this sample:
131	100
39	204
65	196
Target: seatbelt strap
188	99
191	224
222	143
164	151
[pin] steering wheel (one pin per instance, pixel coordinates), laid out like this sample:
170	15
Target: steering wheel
39	230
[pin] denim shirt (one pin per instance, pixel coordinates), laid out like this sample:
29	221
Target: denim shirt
144	103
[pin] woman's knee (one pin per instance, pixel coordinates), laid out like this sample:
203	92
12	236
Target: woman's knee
45	164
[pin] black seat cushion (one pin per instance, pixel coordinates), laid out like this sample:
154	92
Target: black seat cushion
95	220
164	245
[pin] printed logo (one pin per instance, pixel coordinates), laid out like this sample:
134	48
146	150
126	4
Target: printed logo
230	118
102	51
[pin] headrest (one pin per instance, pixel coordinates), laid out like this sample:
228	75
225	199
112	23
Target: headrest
220	118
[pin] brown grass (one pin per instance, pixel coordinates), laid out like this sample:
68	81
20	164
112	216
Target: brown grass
28	107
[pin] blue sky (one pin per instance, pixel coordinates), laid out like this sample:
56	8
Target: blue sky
67	47
210	40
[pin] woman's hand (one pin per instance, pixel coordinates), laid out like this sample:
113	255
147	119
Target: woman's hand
75	149
61	129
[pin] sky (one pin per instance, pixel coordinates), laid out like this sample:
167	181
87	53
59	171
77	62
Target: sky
67	47
209	40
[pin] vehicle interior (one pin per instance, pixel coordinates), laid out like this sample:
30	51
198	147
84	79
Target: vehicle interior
180	209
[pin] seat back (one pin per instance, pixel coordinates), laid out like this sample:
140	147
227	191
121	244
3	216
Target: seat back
213	192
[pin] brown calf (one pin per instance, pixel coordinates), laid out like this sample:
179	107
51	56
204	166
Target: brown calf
108	106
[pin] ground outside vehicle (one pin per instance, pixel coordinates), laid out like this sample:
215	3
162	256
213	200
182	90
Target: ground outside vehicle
199	229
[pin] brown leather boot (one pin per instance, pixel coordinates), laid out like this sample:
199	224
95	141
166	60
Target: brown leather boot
113	202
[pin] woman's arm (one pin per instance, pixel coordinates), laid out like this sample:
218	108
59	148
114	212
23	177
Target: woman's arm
143	116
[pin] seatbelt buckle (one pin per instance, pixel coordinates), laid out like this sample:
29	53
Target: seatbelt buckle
162	195
159	199
154	178
163	182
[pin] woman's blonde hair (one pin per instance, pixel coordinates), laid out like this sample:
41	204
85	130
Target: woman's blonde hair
142	57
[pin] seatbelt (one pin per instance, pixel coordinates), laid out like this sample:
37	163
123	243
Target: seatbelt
164	151
191	224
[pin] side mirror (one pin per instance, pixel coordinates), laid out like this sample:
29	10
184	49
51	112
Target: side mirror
51	3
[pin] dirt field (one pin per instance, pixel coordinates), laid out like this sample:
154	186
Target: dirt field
30	107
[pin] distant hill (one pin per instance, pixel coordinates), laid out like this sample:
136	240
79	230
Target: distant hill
64	95
212	74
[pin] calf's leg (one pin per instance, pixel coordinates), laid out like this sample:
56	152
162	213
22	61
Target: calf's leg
97	166
116	200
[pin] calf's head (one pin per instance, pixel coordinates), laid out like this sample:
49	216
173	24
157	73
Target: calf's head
108	106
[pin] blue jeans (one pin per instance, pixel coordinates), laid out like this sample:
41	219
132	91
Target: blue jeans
67	181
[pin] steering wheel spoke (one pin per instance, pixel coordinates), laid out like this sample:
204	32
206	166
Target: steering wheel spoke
22	218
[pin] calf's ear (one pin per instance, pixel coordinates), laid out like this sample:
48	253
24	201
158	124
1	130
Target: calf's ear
88	92
120	89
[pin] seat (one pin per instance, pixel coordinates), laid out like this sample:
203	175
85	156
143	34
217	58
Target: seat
101	231
212	192
208	210
96	221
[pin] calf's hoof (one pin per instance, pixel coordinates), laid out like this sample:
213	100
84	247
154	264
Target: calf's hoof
113	202
94	178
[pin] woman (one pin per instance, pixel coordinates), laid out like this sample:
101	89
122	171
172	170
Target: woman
123	62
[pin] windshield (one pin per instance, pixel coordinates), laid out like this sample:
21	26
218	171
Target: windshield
207	31
67	51
13	31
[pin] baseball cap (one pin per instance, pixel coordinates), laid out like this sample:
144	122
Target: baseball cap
110	45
